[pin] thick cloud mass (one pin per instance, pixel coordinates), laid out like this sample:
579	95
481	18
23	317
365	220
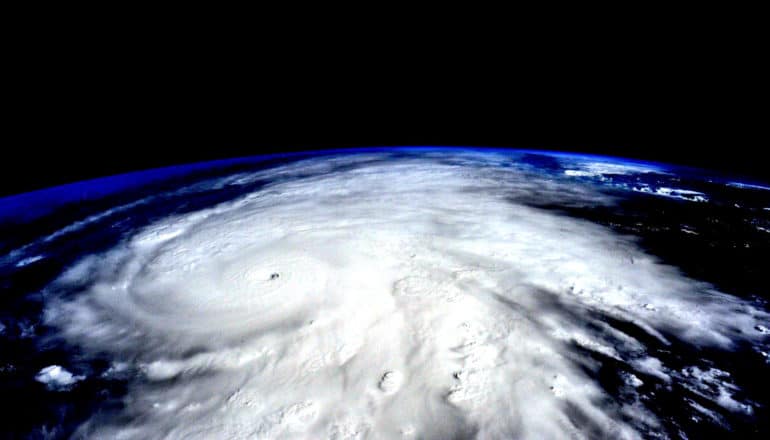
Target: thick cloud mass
415	298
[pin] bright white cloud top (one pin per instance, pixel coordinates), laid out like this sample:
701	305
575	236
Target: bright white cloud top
402	299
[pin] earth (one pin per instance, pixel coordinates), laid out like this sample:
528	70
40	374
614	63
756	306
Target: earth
426	293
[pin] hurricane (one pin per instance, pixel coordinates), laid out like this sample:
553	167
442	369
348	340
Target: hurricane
427	295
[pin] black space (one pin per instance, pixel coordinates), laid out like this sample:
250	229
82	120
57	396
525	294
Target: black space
115	107
101	141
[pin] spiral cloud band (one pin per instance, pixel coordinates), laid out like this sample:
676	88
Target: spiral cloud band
418	298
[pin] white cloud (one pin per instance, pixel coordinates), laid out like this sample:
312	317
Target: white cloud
412	298
56	377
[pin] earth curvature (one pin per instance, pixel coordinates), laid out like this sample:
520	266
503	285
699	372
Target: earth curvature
404	293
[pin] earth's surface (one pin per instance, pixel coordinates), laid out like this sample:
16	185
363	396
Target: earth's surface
388	293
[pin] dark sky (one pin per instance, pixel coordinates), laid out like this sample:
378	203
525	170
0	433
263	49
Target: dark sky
68	125
104	141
